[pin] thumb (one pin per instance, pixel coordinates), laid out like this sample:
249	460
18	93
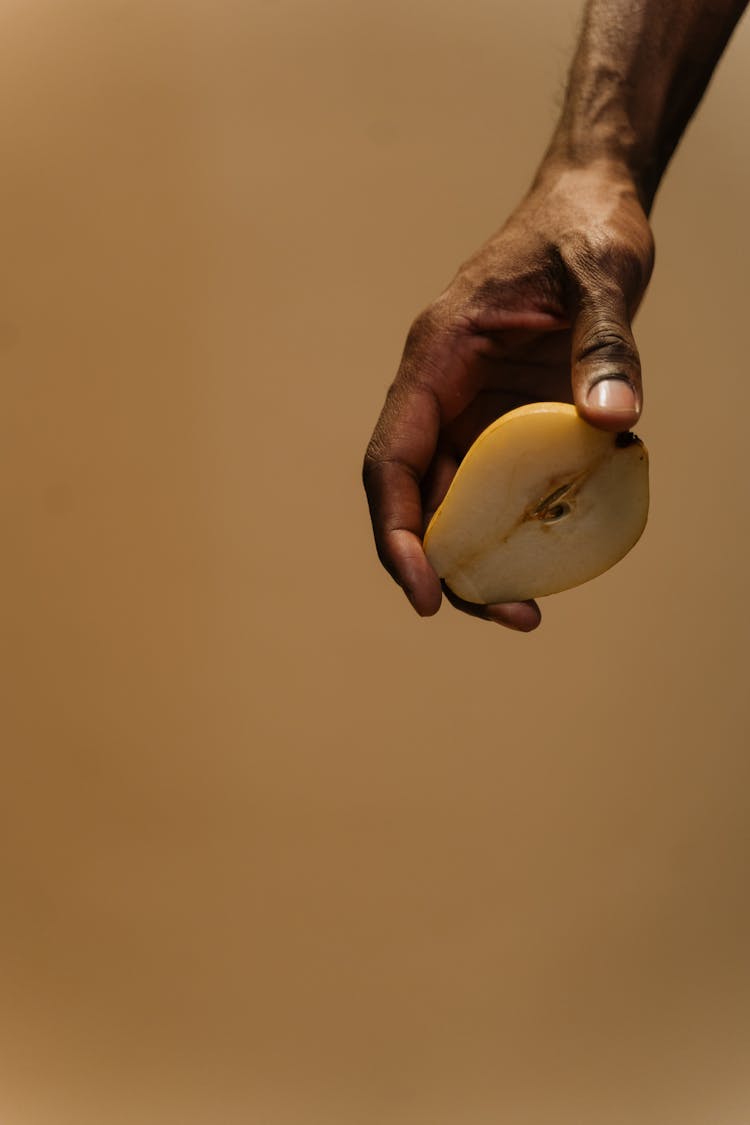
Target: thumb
606	369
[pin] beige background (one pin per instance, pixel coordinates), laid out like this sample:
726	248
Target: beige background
272	850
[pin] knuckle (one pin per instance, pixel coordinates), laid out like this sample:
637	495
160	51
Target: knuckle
582	251
376	456
369	463
445	317
375	453
424	328
607	341
603	258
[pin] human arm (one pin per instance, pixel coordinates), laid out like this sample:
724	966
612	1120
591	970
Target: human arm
543	310
639	72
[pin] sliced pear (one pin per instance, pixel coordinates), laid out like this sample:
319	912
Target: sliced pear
541	502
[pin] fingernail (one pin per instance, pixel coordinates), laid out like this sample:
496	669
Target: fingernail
614	395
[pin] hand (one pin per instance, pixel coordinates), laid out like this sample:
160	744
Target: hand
541	312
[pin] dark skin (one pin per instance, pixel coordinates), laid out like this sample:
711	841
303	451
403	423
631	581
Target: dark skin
543	310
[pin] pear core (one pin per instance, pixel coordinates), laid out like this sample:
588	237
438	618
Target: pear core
541	502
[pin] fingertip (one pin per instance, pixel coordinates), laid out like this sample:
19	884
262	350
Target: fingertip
424	599
523	617
423	588
412	570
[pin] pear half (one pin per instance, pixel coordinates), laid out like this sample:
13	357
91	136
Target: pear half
541	502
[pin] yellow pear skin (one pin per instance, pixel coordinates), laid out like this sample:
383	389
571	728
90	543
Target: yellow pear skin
541	502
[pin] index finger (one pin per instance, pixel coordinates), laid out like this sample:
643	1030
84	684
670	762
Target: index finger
398	456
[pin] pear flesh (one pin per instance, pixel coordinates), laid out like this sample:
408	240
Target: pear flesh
541	502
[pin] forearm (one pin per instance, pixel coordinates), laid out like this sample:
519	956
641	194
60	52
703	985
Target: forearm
639	72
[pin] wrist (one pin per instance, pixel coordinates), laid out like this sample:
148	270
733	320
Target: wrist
609	150
583	168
